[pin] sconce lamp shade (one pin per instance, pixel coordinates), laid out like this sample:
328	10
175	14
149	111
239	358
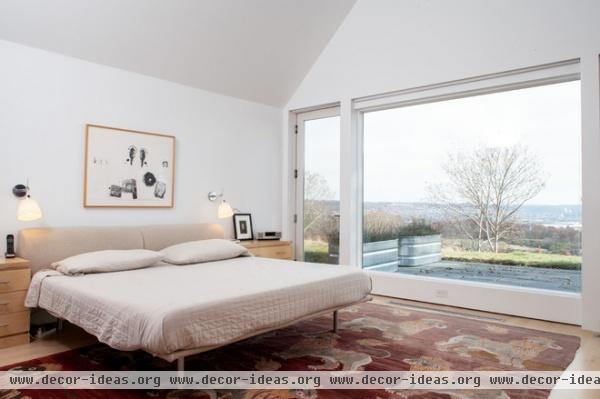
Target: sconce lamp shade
28	210
225	210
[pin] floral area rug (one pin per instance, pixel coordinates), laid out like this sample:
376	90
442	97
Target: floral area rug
372	337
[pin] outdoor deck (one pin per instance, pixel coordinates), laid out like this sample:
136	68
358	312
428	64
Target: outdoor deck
532	277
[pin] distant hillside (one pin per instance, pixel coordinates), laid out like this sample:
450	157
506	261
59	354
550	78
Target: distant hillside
551	214
538	214
558	215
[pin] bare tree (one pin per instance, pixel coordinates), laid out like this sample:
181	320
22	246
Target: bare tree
316	192
465	199
485	190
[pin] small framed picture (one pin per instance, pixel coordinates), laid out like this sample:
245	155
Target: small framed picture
242	226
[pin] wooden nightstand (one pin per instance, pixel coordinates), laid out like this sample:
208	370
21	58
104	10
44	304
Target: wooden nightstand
15	275
270	249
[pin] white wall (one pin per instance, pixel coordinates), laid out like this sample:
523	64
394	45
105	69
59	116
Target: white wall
389	45
46	99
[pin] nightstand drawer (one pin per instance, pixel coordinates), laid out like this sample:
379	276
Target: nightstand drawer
276	252
14	280
14	323
13	340
12	302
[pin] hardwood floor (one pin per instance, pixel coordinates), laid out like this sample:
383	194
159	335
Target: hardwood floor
587	357
71	337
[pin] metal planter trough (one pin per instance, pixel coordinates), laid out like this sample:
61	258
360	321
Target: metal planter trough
379	255
419	250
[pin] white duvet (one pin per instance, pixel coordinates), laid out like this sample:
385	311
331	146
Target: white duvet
164	309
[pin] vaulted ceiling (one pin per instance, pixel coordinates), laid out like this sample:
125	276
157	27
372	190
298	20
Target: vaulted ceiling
258	50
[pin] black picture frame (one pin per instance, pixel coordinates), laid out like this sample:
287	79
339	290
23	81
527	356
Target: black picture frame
242	227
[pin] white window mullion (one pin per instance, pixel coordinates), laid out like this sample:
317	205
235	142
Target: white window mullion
519	78
350	187
590	156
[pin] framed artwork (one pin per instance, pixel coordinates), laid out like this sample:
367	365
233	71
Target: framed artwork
128	169
242	226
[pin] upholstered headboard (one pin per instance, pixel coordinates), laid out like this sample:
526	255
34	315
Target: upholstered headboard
43	246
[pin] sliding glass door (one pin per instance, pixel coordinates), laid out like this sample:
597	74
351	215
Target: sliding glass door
317	178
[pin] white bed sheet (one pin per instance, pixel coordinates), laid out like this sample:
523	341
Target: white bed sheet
166	308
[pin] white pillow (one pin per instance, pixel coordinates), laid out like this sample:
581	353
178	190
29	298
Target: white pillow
107	261
203	251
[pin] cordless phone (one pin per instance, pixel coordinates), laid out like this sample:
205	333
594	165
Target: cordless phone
10	246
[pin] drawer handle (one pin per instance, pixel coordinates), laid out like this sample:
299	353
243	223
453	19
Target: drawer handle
4	282
3	325
4	303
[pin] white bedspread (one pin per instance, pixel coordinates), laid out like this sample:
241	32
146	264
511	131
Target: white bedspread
166	308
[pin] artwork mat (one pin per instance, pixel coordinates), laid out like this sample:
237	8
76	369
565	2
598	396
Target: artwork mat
247	216
86	186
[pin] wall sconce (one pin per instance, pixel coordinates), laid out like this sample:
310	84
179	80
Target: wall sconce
225	210
28	208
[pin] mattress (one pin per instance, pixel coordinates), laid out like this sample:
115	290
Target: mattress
164	309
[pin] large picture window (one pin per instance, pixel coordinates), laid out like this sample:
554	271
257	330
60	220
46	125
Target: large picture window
485	188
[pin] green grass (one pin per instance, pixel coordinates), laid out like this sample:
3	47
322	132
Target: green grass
516	258
316	251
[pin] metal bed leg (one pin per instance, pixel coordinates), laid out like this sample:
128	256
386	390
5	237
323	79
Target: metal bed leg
181	364
335	321
59	325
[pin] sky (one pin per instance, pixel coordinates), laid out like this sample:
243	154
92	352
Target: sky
322	151
404	147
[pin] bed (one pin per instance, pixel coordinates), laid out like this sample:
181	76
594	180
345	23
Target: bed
175	311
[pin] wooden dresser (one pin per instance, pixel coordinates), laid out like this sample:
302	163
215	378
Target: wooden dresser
15	275
270	249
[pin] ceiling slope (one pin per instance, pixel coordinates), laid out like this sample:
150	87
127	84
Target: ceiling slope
258	50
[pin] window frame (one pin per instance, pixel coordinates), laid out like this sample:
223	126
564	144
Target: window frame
537	303
298	175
